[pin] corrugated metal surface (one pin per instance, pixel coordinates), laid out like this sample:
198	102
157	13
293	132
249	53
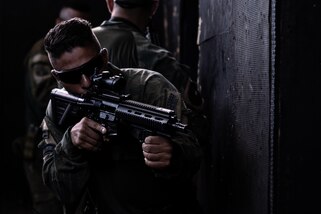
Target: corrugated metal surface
234	75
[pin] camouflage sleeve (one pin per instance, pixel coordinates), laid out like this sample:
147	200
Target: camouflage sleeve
64	171
187	151
176	73
158	59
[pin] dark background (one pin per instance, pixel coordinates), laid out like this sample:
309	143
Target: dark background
258	64
22	24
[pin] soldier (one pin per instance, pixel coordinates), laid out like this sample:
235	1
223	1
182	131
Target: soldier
125	35
122	174
38	84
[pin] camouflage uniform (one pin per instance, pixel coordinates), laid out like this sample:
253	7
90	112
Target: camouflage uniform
129	47
121	38
117	178
38	84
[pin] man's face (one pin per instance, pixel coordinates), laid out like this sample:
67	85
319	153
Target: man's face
74	69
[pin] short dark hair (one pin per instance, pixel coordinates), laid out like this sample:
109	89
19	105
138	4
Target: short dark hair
66	35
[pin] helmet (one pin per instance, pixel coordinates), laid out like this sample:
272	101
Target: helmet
133	3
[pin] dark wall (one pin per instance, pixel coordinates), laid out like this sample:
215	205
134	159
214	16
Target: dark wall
299	85
180	21
260	67
234	76
22	23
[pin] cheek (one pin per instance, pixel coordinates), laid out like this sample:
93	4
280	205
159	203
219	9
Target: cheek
73	88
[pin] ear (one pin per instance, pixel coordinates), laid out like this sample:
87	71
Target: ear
110	5
104	54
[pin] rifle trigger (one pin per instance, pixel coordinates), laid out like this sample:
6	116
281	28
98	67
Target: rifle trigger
143	134
110	137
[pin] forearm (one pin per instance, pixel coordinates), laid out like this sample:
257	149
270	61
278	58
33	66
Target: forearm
65	171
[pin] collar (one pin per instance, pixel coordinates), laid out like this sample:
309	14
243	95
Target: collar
122	21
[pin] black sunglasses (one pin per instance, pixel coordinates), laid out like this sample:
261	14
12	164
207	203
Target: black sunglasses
73	76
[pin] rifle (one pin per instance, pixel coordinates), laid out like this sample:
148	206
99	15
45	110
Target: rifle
109	108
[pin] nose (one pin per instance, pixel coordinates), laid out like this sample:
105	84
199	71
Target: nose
85	81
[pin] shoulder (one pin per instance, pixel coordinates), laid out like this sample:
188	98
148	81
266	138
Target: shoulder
115	39
148	86
113	30
151	55
146	78
101	30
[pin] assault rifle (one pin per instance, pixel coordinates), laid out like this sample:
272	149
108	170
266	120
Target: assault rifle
104	105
